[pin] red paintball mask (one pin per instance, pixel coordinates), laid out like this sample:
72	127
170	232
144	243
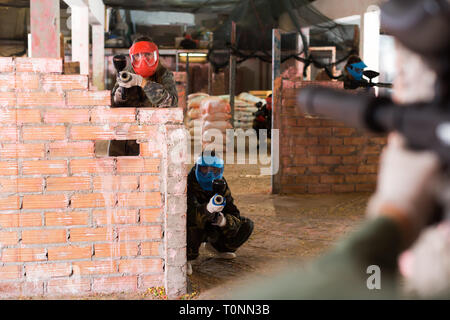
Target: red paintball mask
144	58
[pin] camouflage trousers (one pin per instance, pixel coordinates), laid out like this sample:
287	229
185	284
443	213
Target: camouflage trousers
221	241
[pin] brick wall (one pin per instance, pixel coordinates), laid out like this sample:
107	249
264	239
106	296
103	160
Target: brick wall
181	82
71	222
319	155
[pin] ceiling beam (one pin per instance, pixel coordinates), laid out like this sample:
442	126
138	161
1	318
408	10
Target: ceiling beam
76	3
96	12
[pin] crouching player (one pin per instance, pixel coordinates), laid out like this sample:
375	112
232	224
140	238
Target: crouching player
212	216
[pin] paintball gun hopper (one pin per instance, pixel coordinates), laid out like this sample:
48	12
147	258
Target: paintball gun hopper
120	62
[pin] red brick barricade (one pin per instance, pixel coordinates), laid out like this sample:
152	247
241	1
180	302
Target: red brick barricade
73	222
181	82
319	155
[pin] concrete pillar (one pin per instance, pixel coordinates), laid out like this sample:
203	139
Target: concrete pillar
371	38
44	26
80	37
97	21
98	57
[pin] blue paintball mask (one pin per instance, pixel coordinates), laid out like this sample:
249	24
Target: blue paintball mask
207	169
356	70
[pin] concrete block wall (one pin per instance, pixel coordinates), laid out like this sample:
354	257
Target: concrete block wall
319	155
71	222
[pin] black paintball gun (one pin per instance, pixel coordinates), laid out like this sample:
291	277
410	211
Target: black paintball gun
354	84
373	74
219	186
425	127
423	26
120	62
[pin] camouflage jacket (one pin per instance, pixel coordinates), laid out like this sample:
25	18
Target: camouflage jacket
159	92
197	199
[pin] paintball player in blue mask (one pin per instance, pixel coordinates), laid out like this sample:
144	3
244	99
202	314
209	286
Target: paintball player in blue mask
212	216
352	75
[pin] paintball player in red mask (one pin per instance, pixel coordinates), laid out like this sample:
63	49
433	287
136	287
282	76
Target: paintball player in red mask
263	117
146	83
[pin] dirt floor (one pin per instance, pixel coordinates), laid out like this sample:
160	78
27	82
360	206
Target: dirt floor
288	229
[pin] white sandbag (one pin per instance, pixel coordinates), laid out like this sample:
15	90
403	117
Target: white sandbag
225	97
193	123
194	113
239	114
197	94
220	125
250	98
219	116
214	105
242	125
194	99
248	108
244	116
195	103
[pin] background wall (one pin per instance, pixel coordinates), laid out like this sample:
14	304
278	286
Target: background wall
320	155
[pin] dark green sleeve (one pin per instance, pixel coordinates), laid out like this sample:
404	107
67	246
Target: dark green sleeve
195	212
231	214
342	272
164	94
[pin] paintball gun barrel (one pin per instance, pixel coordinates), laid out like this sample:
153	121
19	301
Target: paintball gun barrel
219	186
219	199
120	62
424	127
373	74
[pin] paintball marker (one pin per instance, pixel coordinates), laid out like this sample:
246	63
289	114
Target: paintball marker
373	74
120	62
219	187
354	84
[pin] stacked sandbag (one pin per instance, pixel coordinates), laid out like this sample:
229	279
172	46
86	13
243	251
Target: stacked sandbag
245	96
244	109
215	114
193	113
243	117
